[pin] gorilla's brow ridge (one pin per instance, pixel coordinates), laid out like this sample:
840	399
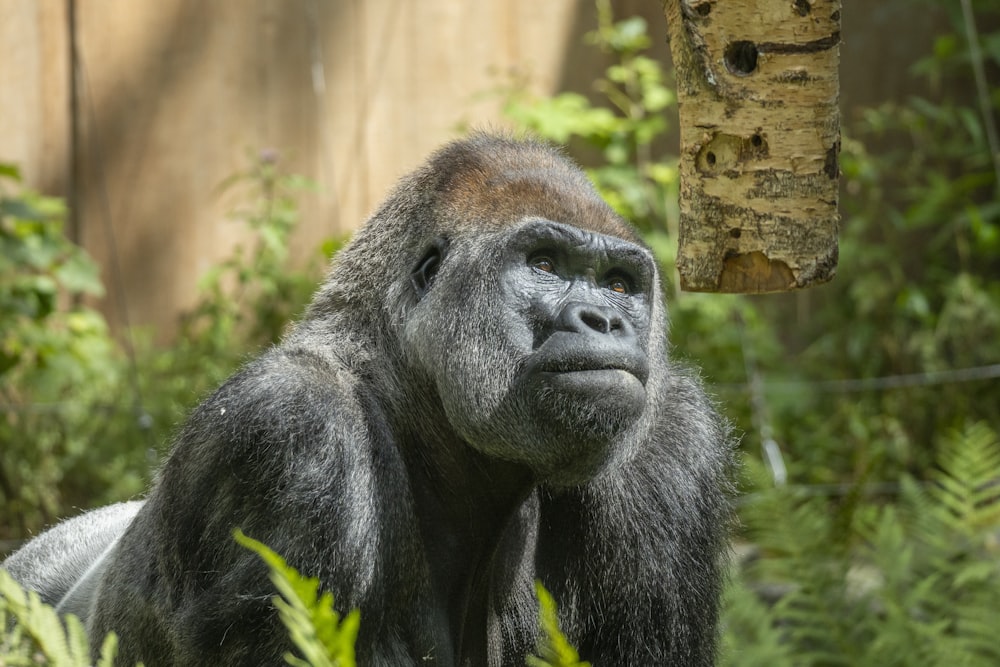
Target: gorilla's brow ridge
615	249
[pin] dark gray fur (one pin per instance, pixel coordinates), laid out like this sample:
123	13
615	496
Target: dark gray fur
382	447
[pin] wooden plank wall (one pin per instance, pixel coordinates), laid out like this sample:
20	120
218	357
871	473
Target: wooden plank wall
173	96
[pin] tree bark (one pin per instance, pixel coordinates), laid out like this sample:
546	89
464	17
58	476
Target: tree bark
758	90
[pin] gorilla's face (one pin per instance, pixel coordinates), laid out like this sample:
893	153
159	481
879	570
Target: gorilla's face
537	337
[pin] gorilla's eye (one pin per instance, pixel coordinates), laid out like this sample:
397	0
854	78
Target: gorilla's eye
618	285
543	263
423	275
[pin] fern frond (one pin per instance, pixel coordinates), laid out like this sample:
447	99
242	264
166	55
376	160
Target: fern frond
751	637
968	483
917	583
943	583
313	624
37	629
554	650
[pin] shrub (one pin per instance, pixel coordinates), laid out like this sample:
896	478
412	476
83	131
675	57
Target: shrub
61	374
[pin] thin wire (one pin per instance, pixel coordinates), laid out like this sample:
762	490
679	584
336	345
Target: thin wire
889	382
853	385
830	490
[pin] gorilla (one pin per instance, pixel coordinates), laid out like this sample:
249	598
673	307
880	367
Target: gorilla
479	396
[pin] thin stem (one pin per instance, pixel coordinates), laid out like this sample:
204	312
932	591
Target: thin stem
982	89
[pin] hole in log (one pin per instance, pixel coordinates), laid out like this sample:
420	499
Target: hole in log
741	57
703	10
831	166
756	141
736	232
803	7
710	158
755	273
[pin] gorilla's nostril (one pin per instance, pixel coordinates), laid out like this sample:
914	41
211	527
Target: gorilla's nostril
596	321
585	318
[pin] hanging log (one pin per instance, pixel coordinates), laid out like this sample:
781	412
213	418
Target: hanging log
758	90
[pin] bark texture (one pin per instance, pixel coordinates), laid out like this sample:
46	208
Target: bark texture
758	92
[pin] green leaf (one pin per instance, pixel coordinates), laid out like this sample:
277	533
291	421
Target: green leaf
80	275
21	209
315	627
945	46
629	35
37	630
554	650
10	171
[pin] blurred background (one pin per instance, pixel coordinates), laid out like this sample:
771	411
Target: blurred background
174	176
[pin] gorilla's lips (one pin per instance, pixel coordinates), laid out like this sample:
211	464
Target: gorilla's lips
574	353
592	387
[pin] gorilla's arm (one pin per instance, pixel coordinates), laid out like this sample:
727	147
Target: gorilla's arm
286	451
64	564
633	558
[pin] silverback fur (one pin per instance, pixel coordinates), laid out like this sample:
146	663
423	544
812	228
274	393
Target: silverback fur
391	445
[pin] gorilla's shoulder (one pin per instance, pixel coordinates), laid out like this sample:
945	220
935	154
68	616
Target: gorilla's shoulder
286	378
289	399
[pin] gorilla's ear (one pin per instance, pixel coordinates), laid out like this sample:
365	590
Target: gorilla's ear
423	276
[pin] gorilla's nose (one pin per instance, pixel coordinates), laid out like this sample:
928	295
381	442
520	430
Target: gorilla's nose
588	318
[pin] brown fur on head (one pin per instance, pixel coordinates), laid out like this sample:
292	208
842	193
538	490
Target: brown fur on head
472	186
488	181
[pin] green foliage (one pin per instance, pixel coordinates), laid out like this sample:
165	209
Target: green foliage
554	650
631	117
316	629
59	370
245	301
911	583
919	292
33	633
249	298
79	418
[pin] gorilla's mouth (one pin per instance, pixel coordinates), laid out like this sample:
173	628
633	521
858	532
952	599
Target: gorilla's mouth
563	355
604	382
607	381
589	371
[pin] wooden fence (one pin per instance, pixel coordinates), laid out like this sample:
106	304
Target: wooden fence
137	111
